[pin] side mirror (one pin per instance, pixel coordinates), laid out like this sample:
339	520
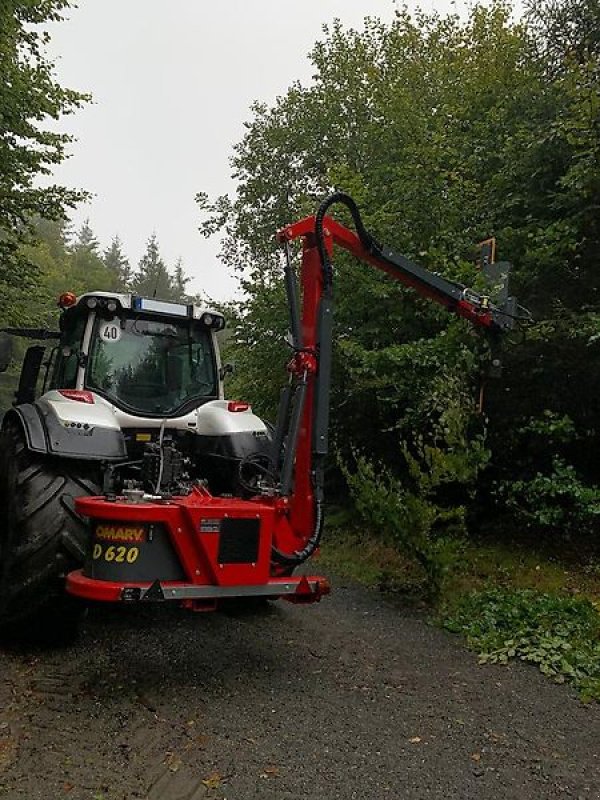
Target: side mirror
6	351
226	369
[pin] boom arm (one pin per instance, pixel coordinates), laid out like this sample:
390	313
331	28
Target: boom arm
300	442
457	298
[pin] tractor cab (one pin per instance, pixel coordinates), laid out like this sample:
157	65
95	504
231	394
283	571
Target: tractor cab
148	358
125	375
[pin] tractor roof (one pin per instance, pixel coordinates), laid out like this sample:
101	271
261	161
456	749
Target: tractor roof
147	304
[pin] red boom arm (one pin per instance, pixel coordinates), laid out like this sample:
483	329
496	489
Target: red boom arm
455	298
310	366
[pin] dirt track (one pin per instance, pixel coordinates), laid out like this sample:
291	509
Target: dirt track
355	698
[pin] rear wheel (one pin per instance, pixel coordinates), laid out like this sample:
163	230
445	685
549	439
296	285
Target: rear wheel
41	540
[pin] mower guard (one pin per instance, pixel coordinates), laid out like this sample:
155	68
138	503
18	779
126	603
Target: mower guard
195	549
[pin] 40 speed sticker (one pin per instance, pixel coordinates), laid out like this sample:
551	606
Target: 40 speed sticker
110	332
117	553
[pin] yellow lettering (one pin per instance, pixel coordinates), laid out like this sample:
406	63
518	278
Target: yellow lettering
111	533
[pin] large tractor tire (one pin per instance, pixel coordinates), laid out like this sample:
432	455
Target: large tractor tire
41	540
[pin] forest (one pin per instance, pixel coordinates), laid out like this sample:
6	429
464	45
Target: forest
446	131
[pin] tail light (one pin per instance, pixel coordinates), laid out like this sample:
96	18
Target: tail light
77	394
237	405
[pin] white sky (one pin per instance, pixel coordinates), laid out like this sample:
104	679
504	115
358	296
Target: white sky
172	84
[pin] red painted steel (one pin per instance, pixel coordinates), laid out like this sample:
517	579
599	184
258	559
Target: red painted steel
343	237
198	549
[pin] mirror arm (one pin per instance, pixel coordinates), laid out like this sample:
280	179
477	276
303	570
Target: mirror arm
32	333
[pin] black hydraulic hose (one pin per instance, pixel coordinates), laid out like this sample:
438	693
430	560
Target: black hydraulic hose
504	316
367	240
292	298
283	415
289	457
297	558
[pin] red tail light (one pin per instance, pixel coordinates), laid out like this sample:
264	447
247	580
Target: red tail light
77	394
237	405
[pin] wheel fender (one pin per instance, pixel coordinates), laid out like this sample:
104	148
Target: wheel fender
78	430
45	432
27	418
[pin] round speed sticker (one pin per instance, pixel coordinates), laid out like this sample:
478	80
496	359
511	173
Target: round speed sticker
110	332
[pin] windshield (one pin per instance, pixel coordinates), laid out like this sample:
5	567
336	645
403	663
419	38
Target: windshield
150	366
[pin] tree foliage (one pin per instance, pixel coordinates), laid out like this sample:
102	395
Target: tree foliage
29	148
446	132
153	278
118	264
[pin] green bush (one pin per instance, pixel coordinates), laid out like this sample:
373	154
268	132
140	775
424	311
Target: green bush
559	634
420	506
558	501
408	520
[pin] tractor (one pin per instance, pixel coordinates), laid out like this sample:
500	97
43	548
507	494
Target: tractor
131	478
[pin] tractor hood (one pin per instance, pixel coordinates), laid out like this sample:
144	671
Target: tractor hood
81	424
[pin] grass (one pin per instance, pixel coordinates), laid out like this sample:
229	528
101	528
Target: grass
367	560
508	601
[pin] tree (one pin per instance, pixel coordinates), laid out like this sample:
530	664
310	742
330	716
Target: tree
569	30
118	265
152	278
412	119
29	95
86	239
180	282
87	270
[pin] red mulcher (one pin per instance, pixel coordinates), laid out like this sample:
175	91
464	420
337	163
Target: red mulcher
196	548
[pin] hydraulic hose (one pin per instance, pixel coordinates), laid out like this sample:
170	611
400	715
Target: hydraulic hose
297	558
367	240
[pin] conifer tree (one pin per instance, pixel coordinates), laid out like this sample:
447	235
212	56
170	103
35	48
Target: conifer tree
152	278
87	267
118	265
180	281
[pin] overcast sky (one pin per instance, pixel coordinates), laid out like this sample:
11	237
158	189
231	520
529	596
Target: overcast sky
172	84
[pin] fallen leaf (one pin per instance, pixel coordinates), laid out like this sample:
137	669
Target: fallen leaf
173	762
270	772
476	756
213	781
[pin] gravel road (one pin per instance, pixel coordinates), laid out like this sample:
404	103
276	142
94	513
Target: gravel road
354	698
